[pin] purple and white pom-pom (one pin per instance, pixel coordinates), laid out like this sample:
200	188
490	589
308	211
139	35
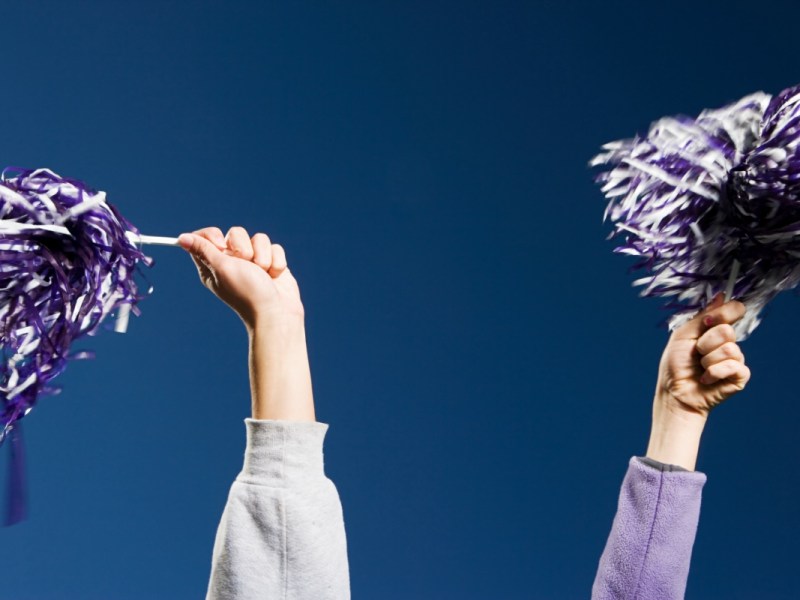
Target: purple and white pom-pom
67	261
711	204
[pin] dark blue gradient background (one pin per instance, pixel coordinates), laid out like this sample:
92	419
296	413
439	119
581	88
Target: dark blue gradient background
484	364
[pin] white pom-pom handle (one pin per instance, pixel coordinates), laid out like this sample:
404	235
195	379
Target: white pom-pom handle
153	240
7	225
732	280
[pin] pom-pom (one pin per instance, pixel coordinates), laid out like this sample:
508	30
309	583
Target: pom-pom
67	260
55	287
711	204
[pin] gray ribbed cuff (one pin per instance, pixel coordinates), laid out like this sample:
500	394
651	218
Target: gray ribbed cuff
663	467
282	453
675	476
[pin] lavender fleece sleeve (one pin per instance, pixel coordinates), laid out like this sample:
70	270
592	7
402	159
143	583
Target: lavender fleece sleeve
648	552
282	533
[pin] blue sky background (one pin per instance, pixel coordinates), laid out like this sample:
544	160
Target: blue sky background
484	364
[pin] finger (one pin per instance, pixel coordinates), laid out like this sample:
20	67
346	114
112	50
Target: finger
201	249
214	235
715	337
279	263
694	328
728	351
239	243
731	371
730	312
262	251
715	313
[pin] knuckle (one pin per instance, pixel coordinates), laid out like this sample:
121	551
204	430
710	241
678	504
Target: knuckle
237	231
727	332
706	343
216	236
730	350
279	255
261	254
208	231
239	242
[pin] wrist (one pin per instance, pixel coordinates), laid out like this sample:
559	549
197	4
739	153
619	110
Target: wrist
278	327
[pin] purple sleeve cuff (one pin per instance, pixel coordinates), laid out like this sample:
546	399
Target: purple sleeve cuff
282	453
650	546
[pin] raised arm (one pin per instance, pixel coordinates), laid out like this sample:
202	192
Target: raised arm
650	546
282	531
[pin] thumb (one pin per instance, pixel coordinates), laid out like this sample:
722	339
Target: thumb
201	249
695	327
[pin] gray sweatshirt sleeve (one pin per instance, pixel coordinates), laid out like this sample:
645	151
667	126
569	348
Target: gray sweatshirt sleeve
282	533
648	551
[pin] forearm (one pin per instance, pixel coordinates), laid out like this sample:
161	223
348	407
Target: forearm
675	436
280	376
